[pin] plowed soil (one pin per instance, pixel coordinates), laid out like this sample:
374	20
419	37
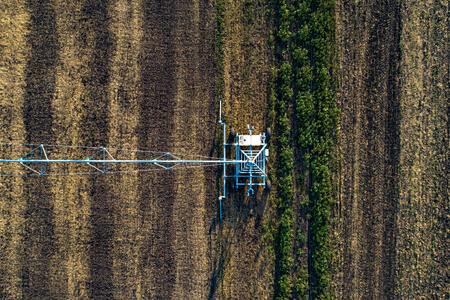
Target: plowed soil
131	74
370	147
393	123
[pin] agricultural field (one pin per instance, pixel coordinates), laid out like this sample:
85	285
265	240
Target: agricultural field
356	95
393	179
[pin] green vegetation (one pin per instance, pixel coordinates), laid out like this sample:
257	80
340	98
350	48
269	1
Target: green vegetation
285	190
324	119
304	49
280	100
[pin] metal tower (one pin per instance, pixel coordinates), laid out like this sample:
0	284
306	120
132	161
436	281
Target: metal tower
248	155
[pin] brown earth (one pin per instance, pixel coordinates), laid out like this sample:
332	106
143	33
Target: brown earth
244	271
369	146
393	137
137	75
422	243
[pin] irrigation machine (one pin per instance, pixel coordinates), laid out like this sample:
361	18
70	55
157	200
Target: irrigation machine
246	154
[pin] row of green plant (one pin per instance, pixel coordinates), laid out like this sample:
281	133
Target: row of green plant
304	49
281	100
318	119
285	190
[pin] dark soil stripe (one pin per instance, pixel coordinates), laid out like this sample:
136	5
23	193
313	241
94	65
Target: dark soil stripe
370	147
156	108
37	116
379	169
392	156
94	131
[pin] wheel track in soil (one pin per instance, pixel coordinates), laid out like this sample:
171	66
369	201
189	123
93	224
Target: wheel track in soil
38	121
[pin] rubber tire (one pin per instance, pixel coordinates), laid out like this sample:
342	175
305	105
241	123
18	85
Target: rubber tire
268	134
268	185
232	133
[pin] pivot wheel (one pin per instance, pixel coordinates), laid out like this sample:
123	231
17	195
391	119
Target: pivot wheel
268	134
232	133
268	185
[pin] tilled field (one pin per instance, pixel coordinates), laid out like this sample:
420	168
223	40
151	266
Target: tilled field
128	74
392	141
369	147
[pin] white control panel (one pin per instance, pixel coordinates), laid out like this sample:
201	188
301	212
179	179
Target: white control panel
250	140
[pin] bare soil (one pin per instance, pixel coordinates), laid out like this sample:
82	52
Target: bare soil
385	143
137	75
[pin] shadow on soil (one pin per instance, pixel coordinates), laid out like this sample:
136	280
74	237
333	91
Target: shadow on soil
236	214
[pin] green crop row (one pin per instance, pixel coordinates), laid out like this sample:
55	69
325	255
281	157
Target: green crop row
285	159
303	78
304	47
317	116
285	190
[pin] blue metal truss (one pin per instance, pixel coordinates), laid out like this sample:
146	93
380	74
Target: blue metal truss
249	161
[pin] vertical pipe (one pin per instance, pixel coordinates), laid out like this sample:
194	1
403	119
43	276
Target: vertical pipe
224	167
224	158
42	169
263	158
251	164
238	166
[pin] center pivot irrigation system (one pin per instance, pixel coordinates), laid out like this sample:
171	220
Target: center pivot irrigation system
248	157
